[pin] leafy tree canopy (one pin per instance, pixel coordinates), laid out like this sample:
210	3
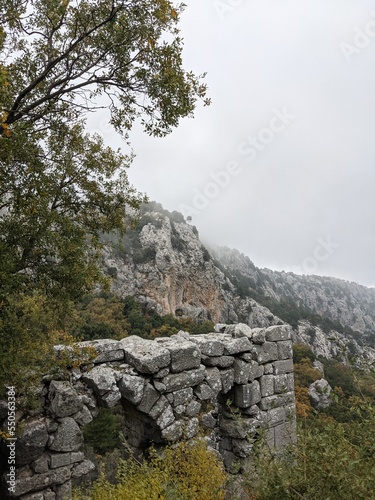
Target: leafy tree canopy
60	57
59	187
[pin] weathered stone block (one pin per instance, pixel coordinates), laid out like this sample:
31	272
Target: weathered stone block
31	443
236	346
252	411
227	379
268	369
259	335
59	460
158	408
101	379
284	383
107	349
111	398
41	464
265	353
162	373
210	344
182	396
231	461
267	386
270	437
76	456
220	327
275	416
247	395
240	428
185	355
41	481
49	495
290	412
191	428
82	469
242	371
218	361
149	398
159	386
68	436
213	379
173	432
258	371
209	420
193	408
145	355
64	399
285	434
285	349
41	495
239	330
190	378
276	400
166	418
83	417
131	388
203	392
284	366
278	332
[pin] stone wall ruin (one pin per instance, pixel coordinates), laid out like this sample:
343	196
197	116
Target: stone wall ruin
230	384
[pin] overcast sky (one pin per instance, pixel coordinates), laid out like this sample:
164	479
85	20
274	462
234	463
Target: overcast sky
281	166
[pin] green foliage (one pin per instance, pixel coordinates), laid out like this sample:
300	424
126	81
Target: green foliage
339	375
301	351
330	461
100	317
27	321
186	472
82	54
103	432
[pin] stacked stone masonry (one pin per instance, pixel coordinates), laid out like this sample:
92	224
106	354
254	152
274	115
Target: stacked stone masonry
230	384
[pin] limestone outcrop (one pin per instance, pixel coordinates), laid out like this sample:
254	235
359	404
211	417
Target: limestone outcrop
319	394
165	266
229	383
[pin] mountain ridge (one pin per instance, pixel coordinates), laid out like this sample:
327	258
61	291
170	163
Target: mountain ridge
164	264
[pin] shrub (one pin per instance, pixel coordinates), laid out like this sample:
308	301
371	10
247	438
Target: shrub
103	432
330	461
186	472
301	351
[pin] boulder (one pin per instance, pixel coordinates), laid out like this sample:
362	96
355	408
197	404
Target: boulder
319	394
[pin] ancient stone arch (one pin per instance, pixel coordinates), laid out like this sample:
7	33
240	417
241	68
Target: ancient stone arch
229	383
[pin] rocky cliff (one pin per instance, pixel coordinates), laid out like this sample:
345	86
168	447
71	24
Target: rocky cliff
163	263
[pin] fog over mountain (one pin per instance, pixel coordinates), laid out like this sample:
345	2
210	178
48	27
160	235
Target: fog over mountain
163	264
281	165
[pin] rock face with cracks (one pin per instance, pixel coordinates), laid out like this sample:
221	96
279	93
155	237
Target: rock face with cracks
228	384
